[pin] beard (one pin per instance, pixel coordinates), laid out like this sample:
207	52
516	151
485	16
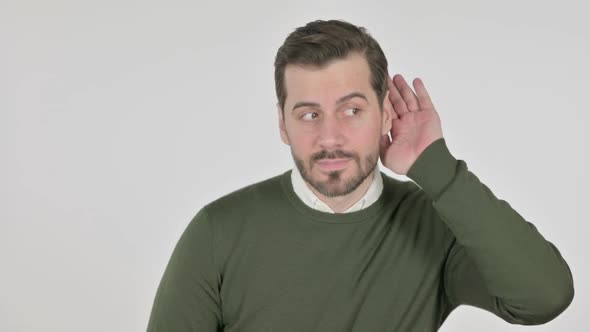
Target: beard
337	184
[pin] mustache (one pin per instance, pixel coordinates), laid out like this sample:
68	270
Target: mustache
337	154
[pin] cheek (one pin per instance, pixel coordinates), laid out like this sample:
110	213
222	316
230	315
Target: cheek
301	144
370	128
300	138
369	138
365	141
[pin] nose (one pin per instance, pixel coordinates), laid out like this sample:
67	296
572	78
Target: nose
331	134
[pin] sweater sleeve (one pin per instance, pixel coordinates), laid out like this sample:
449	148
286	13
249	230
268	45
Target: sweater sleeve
187	298
497	261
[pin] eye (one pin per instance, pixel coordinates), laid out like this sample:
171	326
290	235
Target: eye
355	110
308	118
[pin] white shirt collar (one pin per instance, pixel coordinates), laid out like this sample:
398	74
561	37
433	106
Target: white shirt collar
311	200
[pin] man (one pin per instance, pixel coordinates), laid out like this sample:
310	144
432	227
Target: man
336	245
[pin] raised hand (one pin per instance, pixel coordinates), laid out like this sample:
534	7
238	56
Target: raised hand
415	124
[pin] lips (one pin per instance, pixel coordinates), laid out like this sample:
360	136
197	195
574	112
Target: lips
332	164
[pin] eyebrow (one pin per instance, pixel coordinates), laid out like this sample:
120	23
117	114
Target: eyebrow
339	101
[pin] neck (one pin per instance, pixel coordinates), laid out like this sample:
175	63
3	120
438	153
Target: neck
340	204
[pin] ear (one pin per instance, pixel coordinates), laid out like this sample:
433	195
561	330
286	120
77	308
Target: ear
282	129
387	115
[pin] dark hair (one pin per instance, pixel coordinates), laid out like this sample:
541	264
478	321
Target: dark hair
320	41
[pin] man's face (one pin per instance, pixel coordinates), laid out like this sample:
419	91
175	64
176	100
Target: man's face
333	124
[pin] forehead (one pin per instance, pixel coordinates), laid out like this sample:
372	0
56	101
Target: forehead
336	78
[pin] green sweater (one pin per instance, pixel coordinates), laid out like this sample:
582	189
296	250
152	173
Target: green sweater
258	259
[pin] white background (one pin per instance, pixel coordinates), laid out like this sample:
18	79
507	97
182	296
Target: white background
120	119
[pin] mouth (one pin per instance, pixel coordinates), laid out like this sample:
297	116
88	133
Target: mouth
332	164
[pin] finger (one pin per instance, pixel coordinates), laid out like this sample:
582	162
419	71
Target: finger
389	108
397	102
406	92
423	96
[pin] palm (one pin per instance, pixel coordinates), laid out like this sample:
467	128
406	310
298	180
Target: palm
415	125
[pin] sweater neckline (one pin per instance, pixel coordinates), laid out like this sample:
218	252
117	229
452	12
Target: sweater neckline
337	218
